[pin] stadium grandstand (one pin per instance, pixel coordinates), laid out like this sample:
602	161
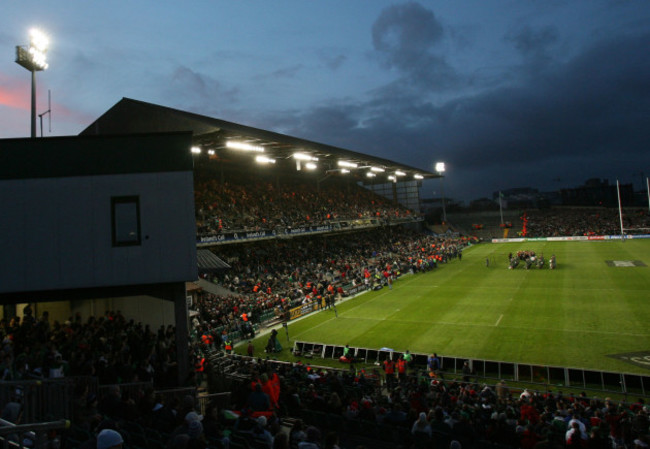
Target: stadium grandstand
146	259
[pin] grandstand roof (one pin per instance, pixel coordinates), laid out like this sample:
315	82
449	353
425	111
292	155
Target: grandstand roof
130	116
209	262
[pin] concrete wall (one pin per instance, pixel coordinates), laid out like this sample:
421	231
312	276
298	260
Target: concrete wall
145	309
57	232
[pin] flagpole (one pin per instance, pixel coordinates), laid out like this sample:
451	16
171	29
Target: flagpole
620	210
647	184
500	207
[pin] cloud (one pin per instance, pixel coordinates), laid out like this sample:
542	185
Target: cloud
14	93
586	118
532	41
594	104
281	73
405	38
575	120
287	72
333	61
197	91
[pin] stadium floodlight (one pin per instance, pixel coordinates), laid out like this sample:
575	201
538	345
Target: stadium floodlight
377	169
399	173
310	166
392	178
33	58
264	160
344	171
370	174
243	146
440	168
304	157
196	150
347	164
418	176
211	152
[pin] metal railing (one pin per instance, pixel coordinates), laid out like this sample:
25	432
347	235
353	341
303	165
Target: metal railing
542	377
34	435
221	400
40	400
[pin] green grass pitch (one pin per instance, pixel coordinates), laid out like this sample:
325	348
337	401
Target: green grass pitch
574	316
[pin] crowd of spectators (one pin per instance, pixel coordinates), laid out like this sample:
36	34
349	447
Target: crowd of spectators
421	410
272	277
324	407
249	204
109	347
584	221
280	274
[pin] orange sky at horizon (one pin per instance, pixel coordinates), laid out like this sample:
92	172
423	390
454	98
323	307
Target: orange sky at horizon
15	96
14	99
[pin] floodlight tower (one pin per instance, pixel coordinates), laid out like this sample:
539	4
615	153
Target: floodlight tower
440	168
33	58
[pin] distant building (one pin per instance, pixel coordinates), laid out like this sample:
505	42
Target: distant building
597	192
484	204
518	198
594	192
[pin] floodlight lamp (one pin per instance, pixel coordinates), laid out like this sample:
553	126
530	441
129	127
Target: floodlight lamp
310	166
38	58
33	57
347	164
440	167
304	157
399	173
38	40
196	150
211	152
344	171
264	160
377	169
392	178
418	176
370	174
243	146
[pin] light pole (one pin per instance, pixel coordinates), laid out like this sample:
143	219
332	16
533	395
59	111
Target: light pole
440	168
33	58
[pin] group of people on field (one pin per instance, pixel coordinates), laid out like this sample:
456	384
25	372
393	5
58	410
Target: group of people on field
529	259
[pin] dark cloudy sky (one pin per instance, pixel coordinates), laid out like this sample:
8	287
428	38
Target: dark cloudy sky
519	93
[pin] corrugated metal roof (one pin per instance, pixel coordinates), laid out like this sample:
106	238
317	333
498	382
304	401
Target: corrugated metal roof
133	116
208	261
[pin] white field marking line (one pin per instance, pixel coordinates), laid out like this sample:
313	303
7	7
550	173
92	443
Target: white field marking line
521	281
487	287
316	327
352	308
384	293
576	331
499	320
542	329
